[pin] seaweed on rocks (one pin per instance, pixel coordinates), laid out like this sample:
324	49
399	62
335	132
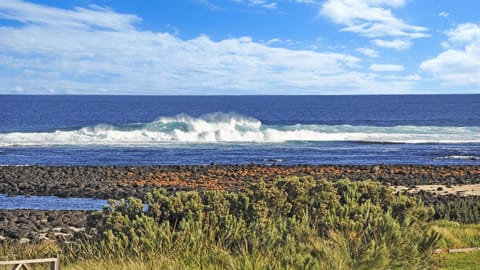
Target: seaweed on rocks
123	181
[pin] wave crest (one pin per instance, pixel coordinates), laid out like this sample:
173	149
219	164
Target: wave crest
234	128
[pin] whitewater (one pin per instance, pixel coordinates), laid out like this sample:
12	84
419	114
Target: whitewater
228	128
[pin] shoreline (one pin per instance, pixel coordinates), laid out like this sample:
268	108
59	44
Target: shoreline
108	182
35	226
116	182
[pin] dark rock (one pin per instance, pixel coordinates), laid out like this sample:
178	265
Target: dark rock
375	169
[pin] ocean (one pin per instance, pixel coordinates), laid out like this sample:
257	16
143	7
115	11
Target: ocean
155	130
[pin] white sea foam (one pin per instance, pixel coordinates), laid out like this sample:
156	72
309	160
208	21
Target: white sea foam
461	157
231	128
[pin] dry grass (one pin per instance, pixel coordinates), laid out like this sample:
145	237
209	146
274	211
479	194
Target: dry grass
464	261
126	265
457	235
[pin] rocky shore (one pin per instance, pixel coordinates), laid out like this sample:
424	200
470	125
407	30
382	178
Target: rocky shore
33	226
121	182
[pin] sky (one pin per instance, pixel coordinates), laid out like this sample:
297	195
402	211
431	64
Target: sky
236	47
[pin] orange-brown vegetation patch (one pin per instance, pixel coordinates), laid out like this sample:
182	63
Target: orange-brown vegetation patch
234	176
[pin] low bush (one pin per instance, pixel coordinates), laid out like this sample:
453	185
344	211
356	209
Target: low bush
453	207
299	223
461	209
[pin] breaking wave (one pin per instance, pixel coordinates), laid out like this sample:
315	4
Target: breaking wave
234	128
461	157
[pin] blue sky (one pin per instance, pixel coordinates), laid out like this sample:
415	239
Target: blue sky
236	47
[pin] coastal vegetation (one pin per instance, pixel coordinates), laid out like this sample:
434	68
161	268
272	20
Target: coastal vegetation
290	222
457	208
464	261
457	235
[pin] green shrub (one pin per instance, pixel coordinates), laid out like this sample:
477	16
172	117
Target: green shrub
286	223
456	208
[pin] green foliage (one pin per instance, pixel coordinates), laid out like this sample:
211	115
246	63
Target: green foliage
23	251
464	261
456	235
461	209
299	223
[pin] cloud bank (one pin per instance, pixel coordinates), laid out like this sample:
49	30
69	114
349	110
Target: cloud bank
96	50
373	19
388	67
459	64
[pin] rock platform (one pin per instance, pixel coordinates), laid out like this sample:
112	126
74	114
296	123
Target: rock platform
120	182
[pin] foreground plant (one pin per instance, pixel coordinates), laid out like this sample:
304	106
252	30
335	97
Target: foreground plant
287	223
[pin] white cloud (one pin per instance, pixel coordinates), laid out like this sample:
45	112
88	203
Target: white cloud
391	3
208	4
368	52
96	50
412	77
371	18
459	64
306	1
274	40
443	14
258	3
381	68
464	34
173	29
396	44
91	18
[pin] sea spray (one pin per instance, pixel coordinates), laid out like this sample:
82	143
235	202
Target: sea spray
235	128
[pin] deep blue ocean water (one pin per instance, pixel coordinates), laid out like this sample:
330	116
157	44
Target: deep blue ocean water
139	130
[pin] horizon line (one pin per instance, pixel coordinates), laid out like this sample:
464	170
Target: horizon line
239	95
